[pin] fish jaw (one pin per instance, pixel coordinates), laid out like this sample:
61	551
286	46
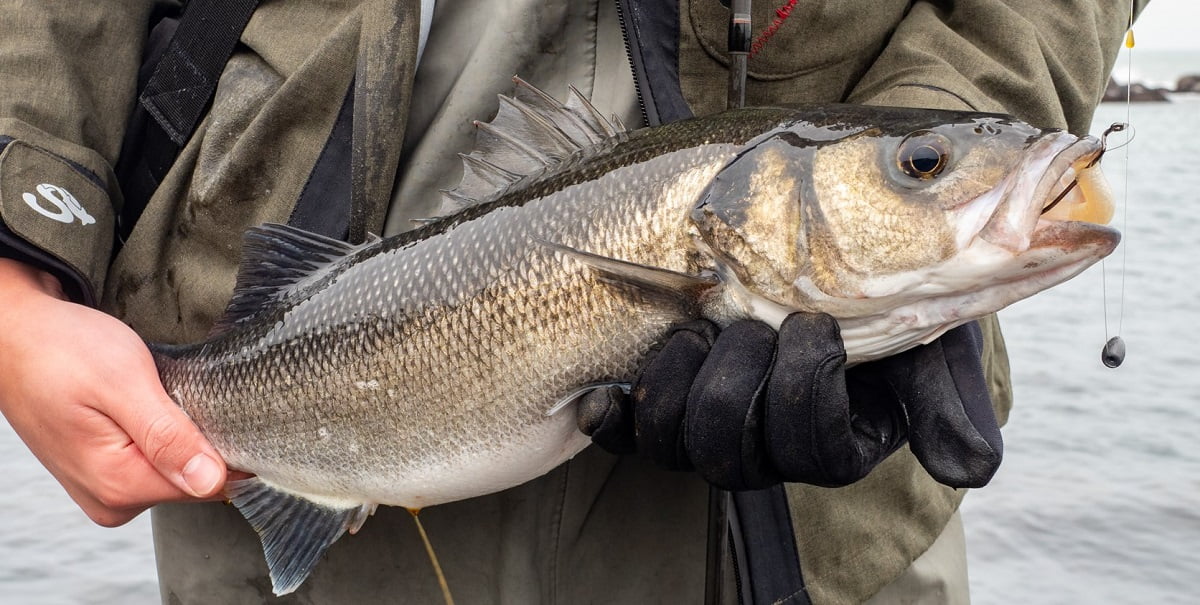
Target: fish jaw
1066	253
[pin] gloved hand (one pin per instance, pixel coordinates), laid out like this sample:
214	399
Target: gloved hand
748	408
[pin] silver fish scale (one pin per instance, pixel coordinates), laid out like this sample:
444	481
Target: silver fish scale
423	374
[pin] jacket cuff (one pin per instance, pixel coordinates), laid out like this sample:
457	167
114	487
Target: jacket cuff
56	215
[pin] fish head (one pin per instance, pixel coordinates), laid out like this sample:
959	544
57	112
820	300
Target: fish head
901	223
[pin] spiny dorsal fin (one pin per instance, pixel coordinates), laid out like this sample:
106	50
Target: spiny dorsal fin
531	132
295	531
274	259
580	106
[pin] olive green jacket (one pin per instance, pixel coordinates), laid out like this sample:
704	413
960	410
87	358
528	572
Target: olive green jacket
67	83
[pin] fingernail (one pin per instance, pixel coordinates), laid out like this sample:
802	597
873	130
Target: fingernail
202	474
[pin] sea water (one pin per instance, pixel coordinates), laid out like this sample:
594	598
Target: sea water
1098	498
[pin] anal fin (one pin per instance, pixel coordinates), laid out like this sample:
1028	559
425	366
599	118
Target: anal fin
295	531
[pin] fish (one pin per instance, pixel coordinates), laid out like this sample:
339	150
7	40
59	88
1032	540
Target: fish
442	363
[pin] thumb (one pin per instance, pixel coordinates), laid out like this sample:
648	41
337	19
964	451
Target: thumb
169	440
606	415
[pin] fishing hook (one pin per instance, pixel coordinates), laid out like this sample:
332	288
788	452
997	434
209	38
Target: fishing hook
1104	148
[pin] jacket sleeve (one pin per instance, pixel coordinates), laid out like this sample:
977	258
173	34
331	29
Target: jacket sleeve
1044	62
68	74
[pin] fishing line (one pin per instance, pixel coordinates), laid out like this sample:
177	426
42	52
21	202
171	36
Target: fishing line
1113	353
437	567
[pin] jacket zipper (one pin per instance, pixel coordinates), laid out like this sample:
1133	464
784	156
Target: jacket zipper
635	63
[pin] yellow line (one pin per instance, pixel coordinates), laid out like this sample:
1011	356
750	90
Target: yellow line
437	568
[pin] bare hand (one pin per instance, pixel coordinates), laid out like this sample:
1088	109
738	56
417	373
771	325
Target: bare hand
81	390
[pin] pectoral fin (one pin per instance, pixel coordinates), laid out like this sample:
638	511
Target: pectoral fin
651	280
295	531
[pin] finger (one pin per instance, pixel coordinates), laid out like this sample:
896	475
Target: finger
106	497
966	343
724	409
952	428
134	468
168	439
877	413
809	430
606	415
660	394
110	479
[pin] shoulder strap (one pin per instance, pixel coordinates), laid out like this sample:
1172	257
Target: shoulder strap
177	81
764	549
186	77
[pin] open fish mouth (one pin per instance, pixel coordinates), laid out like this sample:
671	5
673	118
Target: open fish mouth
1084	193
1057	198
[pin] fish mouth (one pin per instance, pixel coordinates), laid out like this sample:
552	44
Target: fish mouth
1057	198
1049	225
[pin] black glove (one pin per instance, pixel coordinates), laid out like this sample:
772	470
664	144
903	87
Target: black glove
749	408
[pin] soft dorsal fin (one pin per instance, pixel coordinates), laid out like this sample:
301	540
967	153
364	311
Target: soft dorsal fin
274	259
531	132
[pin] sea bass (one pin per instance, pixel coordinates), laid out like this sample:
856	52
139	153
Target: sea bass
439	364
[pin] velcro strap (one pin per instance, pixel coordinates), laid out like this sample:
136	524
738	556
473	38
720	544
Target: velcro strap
186	78
53	206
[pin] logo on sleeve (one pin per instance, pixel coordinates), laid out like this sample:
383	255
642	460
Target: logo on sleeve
58	204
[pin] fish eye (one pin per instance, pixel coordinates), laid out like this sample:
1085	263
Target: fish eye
923	155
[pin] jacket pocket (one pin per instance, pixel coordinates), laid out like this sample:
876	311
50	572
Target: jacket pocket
793	38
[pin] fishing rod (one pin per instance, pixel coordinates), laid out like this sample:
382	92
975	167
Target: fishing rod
719	499
739	51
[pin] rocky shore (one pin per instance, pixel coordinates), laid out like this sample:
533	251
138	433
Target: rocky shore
1142	93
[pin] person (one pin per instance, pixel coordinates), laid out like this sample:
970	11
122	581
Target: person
394	85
